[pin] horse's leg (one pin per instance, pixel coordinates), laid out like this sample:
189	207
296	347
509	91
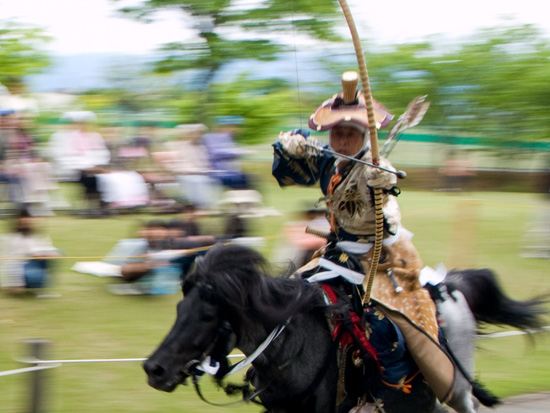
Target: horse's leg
459	326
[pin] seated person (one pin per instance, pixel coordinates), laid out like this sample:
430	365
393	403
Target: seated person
19	275
161	260
155	233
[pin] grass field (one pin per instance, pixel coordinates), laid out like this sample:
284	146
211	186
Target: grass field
88	322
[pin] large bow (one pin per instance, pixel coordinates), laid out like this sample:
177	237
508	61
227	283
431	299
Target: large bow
374	148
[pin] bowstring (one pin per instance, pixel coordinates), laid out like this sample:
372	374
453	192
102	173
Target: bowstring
296	68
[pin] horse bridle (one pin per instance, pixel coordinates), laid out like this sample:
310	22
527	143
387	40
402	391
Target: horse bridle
192	367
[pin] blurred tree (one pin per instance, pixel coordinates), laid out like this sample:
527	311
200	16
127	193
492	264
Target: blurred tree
229	30
21	53
265	105
502	80
495	84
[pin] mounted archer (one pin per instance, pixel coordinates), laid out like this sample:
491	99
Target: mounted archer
349	178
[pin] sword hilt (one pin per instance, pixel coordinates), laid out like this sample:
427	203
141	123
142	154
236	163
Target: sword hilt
319	233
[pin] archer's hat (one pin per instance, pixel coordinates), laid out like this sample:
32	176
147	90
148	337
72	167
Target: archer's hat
79	116
348	106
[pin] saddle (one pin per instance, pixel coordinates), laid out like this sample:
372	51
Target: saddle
372	354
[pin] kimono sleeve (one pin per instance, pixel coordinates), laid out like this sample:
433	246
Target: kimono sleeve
293	171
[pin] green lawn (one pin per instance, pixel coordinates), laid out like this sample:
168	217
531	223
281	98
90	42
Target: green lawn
86	321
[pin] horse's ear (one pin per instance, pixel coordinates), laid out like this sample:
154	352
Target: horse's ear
199	261
187	286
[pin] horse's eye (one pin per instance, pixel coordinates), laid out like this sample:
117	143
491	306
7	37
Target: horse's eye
207	293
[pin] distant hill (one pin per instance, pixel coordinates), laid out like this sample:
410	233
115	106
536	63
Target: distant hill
88	71
82	71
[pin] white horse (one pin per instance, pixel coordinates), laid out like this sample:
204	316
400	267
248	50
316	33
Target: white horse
465	299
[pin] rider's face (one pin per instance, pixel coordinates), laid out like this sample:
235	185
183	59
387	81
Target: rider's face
346	140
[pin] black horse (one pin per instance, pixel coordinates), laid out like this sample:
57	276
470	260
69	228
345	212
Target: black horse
230	302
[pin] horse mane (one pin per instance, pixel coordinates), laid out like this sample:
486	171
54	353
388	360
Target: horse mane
239	277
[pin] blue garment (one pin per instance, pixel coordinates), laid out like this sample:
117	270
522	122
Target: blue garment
223	155
36	273
397	363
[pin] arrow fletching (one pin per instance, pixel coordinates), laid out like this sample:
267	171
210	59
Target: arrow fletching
414	114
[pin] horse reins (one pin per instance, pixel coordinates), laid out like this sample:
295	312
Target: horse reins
191	368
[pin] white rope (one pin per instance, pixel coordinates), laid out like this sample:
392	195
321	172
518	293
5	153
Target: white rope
38	361
48	365
513	333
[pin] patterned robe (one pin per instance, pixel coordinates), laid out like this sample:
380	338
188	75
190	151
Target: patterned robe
350	205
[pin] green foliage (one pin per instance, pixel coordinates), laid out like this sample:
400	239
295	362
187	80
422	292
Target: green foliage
227	31
494	84
264	105
21	53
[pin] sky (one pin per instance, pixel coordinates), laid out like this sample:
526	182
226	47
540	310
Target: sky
92	26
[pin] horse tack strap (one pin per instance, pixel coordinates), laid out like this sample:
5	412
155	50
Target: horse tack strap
248	361
250	398
405	386
353	330
241	365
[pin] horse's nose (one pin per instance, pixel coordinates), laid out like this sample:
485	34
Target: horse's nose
154	369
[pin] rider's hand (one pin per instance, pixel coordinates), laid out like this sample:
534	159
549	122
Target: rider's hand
298	146
377	178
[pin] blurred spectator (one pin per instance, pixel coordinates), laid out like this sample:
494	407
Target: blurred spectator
190	221
155	235
122	189
299	246
37	184
223	153
28	177
161	258
15	148
194	245
191	165
16	140
135	153
79	154
456	171
236	226
24	271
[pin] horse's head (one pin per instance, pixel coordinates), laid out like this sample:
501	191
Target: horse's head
229	301
215	295
194	335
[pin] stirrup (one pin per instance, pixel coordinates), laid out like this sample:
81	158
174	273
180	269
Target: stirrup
365	408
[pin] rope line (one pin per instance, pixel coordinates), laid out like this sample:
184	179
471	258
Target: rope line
512	333
74	361
101	257
48	364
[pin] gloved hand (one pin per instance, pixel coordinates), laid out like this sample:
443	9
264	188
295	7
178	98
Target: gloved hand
298	145
377	178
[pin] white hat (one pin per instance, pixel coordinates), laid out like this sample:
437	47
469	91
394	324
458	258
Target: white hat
79	116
